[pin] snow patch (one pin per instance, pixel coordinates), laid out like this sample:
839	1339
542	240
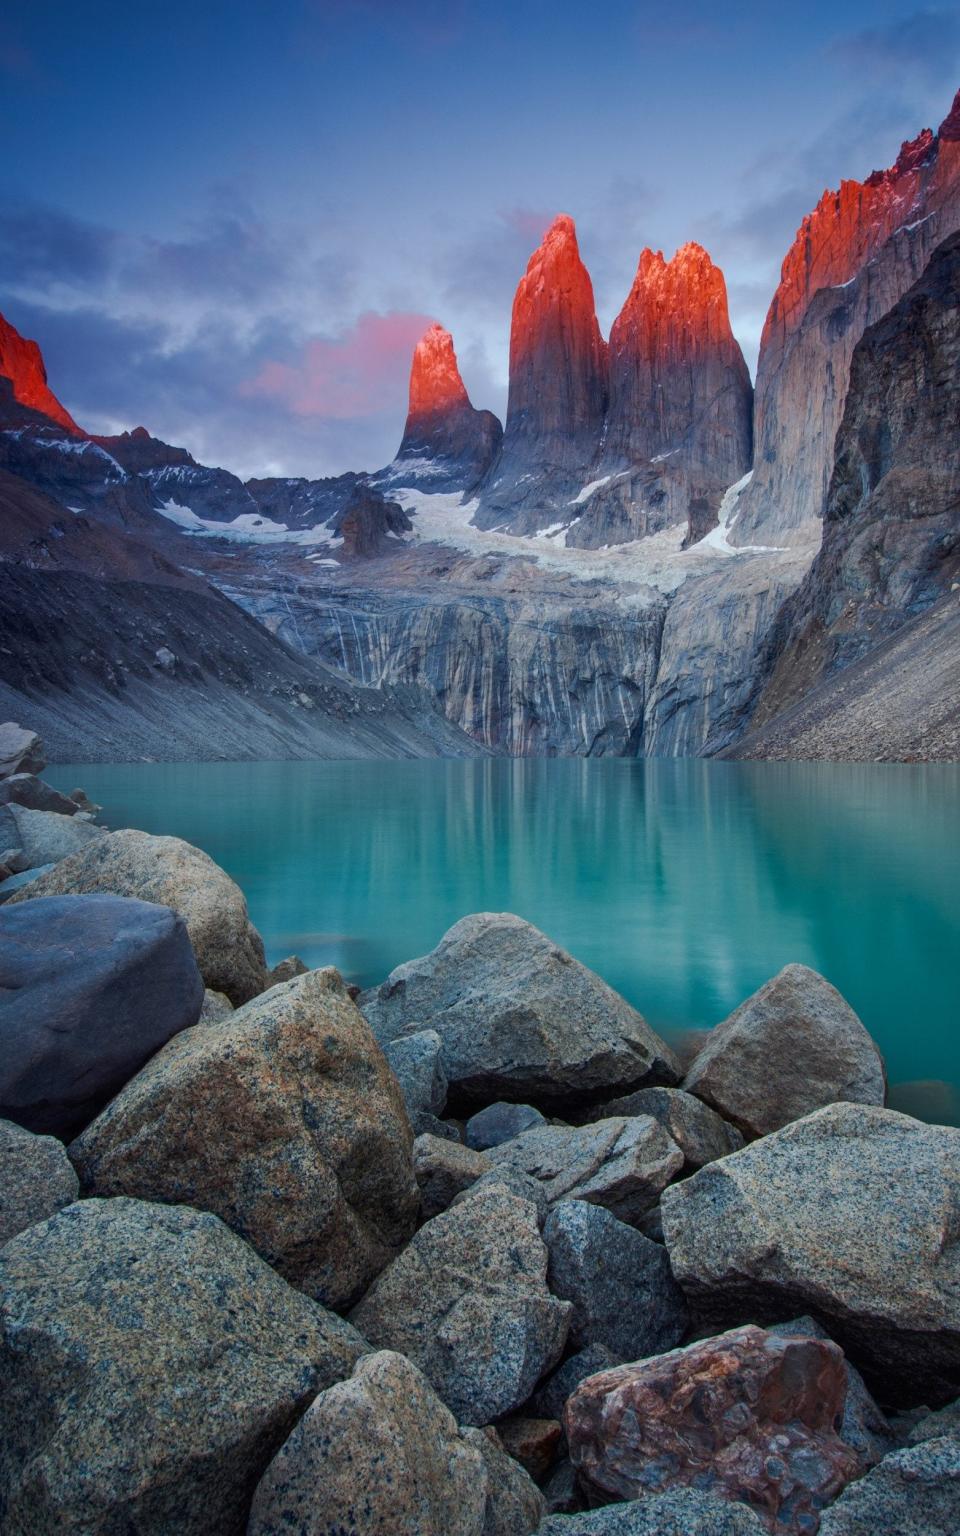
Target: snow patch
588	490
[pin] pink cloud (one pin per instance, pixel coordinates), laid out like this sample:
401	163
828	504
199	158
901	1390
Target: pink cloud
360	373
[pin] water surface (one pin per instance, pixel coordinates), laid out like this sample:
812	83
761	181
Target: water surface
685	884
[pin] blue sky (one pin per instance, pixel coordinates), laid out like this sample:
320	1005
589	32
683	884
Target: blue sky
231	221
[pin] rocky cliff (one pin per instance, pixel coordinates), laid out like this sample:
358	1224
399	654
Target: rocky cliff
891	536
445	441
853	257
22	363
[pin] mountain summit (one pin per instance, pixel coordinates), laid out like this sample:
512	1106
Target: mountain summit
21	361
445	438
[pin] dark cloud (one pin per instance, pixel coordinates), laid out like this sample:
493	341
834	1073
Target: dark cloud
40	245
925	44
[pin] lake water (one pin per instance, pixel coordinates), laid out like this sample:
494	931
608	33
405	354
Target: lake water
684	884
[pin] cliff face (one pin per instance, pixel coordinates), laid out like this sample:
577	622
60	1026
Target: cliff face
852	259
445	441
891	536
21	362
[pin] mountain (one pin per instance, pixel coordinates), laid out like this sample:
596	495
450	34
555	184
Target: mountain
22	363
852	258
557	397
445	441
864	660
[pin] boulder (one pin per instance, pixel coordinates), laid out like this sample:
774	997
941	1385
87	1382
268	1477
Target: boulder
517	1183
215	1008
379	1452
620	1283
415	1059
286	970
286	1122
151	1366
20	882
532	1442
933	1426
468	1302
514	1506
34	794
851	1212
791	1048
621	1164
90	988
36	1179
519	1017
682	1512
169	871
10	843
698	1130
550	1399
914	1492
47	837
21	751
443	1170
500	1122
747	1416
864	1426
83	802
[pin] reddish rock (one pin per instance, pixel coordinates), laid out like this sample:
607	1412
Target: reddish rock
21	362
442	426
532	1442
747	1416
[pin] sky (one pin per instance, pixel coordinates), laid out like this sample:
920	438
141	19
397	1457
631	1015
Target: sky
231	222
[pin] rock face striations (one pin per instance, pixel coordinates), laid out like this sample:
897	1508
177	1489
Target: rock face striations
22	363
445	440
852	259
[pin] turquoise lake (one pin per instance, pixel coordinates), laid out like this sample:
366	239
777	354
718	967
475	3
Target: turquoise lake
685	884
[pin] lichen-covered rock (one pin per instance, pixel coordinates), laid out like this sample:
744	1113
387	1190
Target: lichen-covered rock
46	837
682	1512
36	1179
286	1122
851	1212
444	1169
379	1452
500	1122
151	1366
791	1048
416	1060
174	874
519	1017
21	751
620	1283
467	1301
747	1416
90	988
620	1164
913	1492
700	1133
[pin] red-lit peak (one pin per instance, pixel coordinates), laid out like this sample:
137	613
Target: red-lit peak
950	127
555	297
435	383
22	363
682	301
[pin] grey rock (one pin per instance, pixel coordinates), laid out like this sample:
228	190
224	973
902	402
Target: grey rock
500	1122
419	1070
9	836
515	1506
425	1124
621	1164
13	861
36	1179
551	1397
467	1301
791	1048
831	1213
85	806
379	1452
286	1122
33	794
215	1008
700	1133
520	1184
933	1426
561	1491
21	751
90	988
620	1283
518	1016
914	1492
681	1512
443	1170
651	1224
27	877
151	1365
167	870
286	970
47	837
865	1427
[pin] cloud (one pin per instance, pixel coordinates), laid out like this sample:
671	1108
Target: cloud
925	44
359	373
